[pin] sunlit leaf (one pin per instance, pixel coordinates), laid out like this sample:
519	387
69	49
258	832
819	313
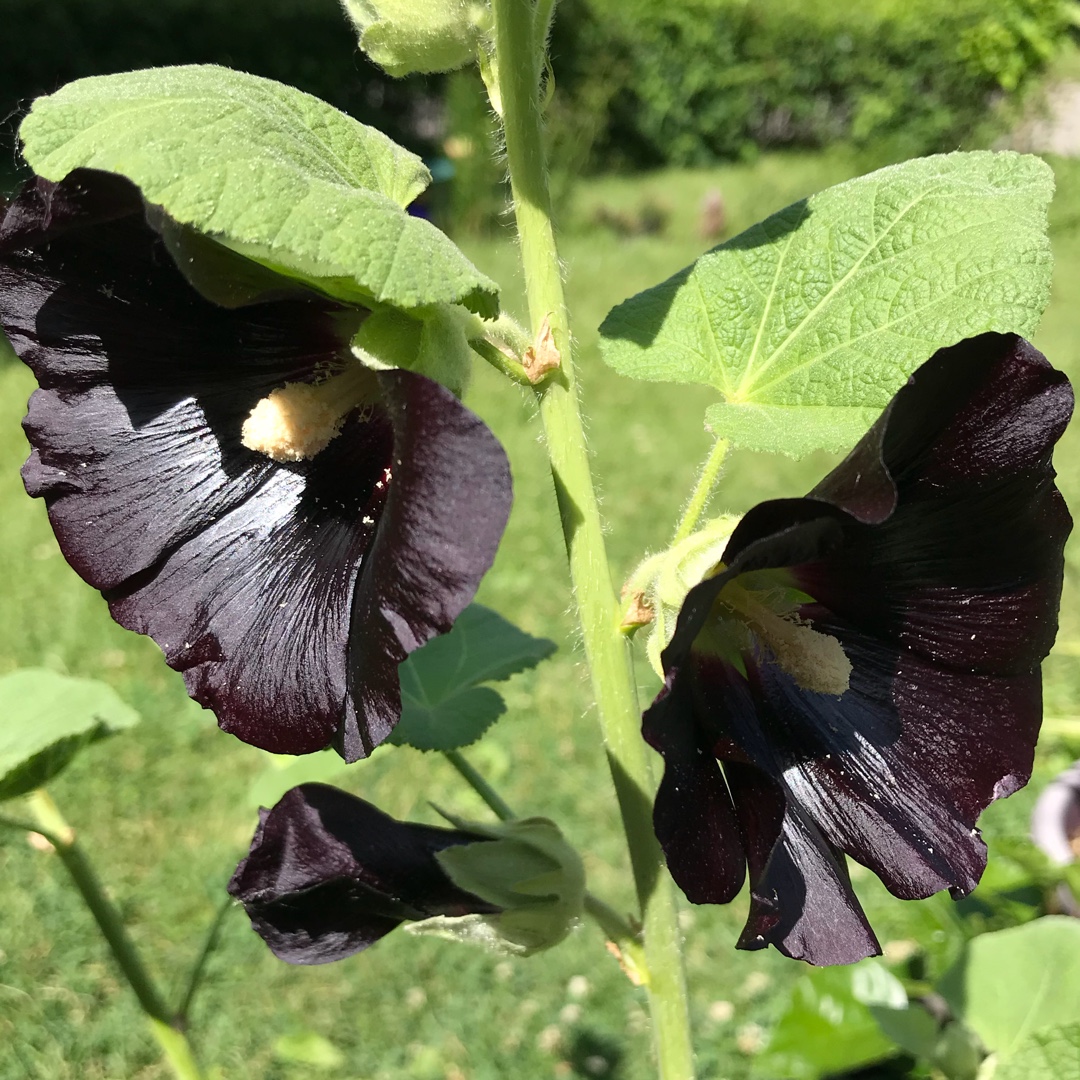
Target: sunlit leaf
807	323
1050	1054
1012	983
444	707
272	172
47	719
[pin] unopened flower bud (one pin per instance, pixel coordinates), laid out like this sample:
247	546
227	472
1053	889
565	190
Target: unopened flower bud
528	870
402	36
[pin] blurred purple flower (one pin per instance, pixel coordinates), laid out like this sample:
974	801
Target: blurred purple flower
329	874
288	570
861	675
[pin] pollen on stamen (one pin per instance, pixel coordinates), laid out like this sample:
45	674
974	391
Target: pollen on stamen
816	661
293	423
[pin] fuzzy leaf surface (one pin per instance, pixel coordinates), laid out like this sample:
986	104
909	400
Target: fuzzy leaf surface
48	719
272	172
1011	983
808	322
444	705
1050	1054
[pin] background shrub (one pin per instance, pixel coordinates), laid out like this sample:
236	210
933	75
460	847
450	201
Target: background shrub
699	80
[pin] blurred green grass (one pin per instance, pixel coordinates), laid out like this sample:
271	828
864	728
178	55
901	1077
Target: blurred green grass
165	813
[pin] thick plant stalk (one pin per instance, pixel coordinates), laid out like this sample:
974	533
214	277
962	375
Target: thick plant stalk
605	648
173	1043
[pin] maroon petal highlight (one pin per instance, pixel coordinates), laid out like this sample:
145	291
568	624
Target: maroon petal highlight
287	593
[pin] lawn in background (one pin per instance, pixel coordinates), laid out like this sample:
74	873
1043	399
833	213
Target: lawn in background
166	811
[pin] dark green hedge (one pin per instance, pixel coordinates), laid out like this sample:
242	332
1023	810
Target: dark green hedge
654	82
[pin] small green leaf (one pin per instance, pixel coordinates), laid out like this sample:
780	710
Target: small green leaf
308	1048
1050	1054
48	719
271	172
1011	983
911	1027
811	320
444	707
824	1030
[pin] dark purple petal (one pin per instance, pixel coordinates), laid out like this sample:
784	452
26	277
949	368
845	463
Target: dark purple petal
329	874
858	772
933	554
255	609
801	899
287	593
693	815
448	504
144	384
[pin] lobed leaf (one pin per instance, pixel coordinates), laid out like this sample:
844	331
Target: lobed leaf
809	322
48	719
444	707
266	169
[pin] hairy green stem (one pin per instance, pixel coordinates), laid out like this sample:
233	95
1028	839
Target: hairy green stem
606	651
703	490
545	12
51	825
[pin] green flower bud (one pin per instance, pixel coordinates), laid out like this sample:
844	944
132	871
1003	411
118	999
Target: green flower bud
403	36
526	868
665	579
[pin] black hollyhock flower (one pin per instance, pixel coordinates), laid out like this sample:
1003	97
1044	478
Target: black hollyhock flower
284	523
864	663
329	874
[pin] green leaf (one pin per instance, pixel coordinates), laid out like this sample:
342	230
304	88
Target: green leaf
810	321
308	1048
444	707
48	719
825	1029
1011	983
271	172
1050	1054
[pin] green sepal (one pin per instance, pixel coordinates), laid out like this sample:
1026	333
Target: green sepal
48	719
807	323
273	173
526	868
430	341
403	36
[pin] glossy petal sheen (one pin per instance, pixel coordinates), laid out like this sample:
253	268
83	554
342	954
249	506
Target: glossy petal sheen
933	555
286	593
329	874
